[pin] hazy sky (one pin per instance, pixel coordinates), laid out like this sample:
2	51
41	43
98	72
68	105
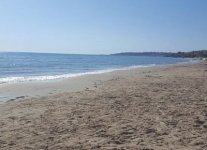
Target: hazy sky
102	26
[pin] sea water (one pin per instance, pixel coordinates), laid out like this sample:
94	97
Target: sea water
25	67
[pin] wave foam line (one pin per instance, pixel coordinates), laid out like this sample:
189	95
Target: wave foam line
53	77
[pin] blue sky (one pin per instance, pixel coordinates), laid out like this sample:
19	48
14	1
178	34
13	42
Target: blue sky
102	26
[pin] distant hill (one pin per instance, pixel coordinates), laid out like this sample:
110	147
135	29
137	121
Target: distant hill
192	54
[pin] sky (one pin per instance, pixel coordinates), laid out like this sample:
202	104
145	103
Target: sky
102	26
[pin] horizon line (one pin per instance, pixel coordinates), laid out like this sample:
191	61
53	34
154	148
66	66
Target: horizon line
36	52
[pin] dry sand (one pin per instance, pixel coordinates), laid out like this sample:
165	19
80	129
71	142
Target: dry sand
161	108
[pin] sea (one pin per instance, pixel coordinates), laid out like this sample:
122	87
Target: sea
27	67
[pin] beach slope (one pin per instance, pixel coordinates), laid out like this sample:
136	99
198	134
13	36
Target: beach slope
154	109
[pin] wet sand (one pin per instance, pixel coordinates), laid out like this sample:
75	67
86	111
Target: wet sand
162	108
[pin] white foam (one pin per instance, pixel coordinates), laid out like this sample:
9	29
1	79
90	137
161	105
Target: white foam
53	77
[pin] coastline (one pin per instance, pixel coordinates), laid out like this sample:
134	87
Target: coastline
150	108
13	91
69	82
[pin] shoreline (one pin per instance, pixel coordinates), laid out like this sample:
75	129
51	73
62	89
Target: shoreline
42	78
14	91
47	78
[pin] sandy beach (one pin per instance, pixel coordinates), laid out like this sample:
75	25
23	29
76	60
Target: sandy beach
160	108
